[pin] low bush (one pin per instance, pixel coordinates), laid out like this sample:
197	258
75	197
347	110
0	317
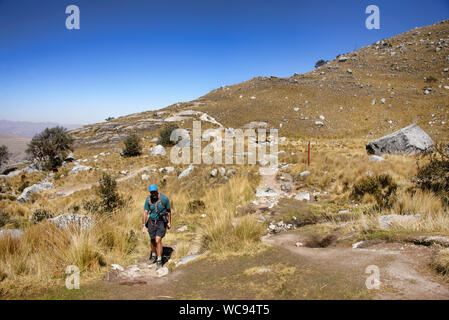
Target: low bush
196	206
109	197
434	175
381	187
165	135
40	214
132	146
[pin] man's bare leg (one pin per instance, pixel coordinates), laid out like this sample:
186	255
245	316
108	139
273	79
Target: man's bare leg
159	247
153	247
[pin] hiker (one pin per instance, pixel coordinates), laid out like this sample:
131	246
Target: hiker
156	217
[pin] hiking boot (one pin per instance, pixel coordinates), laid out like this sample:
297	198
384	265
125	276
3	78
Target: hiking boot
158	264
153	259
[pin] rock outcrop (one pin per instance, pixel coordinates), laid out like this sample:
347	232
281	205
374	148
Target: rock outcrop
408	140
35	188
67	220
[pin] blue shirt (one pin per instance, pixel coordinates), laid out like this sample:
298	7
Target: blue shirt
161	203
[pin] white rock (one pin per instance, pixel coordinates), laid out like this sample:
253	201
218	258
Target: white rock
67	220
117	267
304	195
186	172
145	177
304	173
213	172
376	159
78	168
266	192
357	244
182	229
158	150
35	188
124	172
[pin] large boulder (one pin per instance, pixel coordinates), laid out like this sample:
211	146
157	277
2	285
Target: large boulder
408	140
35	188
67	220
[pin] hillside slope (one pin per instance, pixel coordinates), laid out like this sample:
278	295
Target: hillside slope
362	94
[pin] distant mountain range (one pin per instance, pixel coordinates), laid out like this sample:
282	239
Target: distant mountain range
17	134
29	129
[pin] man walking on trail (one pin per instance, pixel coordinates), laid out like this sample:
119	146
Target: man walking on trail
156	217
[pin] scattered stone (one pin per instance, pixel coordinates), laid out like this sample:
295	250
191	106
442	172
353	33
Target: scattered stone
145	177
304	195
117	267
182	229
299	244
304	173
344	211
266	192
158	150
286	187
213	172
77	168
186	172
124	172
376	159
357	244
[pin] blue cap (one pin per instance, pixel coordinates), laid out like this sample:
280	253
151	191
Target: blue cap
153	187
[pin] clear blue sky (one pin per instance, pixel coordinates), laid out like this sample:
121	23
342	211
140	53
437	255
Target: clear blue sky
135	55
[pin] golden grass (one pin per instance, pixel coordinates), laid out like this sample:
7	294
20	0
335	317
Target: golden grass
441	261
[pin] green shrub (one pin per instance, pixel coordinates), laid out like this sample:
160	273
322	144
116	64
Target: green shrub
132	146
382	187
165	135
40	214
110	199
50	147
4	218
196	206
434	176
431	79
4	155
91	206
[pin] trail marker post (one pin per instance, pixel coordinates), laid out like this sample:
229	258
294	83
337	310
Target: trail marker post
308	154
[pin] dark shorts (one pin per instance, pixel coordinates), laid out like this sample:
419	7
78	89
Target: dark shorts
157	230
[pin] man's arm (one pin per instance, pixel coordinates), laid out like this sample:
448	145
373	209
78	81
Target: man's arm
144	217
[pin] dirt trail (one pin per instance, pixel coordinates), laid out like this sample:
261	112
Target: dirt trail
404	271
